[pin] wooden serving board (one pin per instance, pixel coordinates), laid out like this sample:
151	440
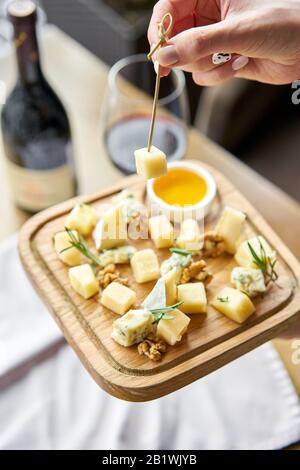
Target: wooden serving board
212	340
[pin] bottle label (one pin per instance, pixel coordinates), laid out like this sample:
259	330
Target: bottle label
36	190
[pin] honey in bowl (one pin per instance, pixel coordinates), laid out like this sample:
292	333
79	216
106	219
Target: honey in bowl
180	186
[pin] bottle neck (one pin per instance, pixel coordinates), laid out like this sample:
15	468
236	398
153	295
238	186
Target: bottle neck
27	51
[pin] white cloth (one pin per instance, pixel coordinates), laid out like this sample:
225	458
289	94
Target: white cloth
249	404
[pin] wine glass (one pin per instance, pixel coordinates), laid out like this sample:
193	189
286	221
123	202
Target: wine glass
126	112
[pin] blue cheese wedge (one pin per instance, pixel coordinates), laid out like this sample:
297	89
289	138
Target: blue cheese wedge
249	280
131	206
121	255
133	327
157	298
175	261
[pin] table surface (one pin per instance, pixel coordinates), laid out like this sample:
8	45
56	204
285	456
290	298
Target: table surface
80	80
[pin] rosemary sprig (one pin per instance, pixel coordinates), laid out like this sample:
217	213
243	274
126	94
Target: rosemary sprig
224	300
80	244
264	263
182	252
161	313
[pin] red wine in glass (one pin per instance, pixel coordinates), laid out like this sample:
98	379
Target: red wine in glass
131	133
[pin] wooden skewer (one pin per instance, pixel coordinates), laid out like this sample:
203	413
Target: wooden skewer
163	38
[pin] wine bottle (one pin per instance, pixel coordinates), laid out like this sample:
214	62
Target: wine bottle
35	127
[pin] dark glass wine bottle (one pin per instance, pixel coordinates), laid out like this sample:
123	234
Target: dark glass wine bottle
35	126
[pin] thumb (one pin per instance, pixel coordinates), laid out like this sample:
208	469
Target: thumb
195	43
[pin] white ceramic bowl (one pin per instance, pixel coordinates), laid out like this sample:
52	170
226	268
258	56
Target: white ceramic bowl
179	213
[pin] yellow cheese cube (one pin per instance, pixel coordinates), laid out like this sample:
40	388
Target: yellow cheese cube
111	230
231	227
189	236
244	256
171	331
171	280
145	266
133	327
234	304
82	218
118	298
161	231
150	164
83	280
65	251
194	297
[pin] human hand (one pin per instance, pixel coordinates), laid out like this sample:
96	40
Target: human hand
262	36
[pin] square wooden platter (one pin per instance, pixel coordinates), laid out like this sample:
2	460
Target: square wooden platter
212	340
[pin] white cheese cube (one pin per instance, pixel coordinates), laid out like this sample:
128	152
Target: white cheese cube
111	230
118	298
157	297
150	164
189	236
83	218
248	280
234	304
83	280
133	327
65	251
145	266
171	280
231	228
260	246
161	231
193	296
172	330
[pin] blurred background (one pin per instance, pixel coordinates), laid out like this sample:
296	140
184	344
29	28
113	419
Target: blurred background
258	123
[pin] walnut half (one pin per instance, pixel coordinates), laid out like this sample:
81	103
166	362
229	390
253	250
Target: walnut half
196	270
110	274
213	245
152	349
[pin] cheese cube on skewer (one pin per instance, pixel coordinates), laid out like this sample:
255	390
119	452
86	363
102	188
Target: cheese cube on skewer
83	280
83	218
172	330
231	228
118	298
260	246
189	236
133	327
65	251
161	231
145	266
234	304
193	296
150	164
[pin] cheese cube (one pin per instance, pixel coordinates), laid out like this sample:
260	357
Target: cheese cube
172	330
83	280
133	327
244	256
231	228
189	236
65	251
111	230
83	218
248	280
118	298
194	297
145	265
150	164
171	280
234	304
161	231
157	297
